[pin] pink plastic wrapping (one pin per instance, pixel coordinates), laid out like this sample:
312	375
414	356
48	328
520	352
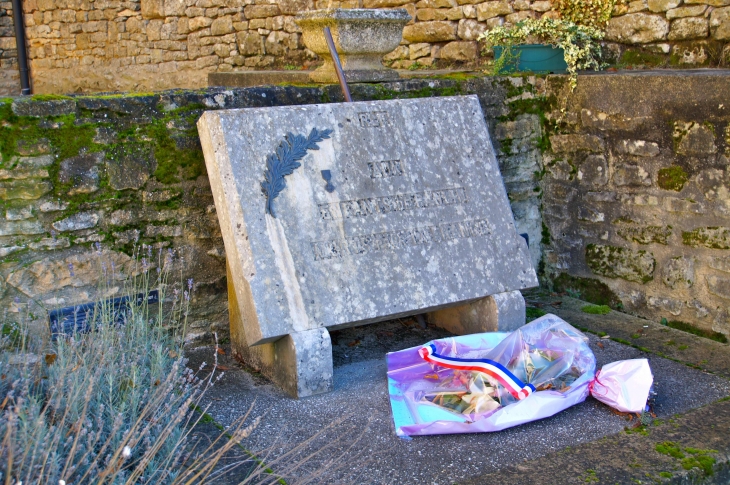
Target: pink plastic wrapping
493	381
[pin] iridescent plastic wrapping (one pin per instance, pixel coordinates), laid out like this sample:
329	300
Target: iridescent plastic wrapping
492	381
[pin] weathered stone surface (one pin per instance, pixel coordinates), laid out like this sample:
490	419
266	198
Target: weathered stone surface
40	146
675	204
688	28
618	262
719	286
576	143
637	28
422	49
710	237
61	278
631	175
131	171
662	5
503	312
395	208
49	243
53	206
679	272
686	11
594	170
488	10
609	122
439	31
82	172
667	304
695	139
54	107
720	23
153	9
19	213
645	234
639	148
470	29
713	3
720	263
24	189
459	51
14	228
76	222
589	214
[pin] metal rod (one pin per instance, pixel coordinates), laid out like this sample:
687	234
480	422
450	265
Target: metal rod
338	66
21	46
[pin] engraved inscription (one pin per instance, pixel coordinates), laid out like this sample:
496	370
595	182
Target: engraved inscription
347	209
391	241
373	119
386	168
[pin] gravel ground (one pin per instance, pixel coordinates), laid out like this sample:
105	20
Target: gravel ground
351	434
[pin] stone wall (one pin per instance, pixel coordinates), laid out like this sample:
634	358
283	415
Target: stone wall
9	75
624	196
143	45
636	196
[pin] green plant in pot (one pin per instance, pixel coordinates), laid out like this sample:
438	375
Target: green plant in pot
515	47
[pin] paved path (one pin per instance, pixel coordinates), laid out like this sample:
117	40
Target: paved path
348	435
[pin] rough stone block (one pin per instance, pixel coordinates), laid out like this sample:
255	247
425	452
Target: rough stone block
131	171
675	204
639	148
82	172
720	263
439	31
631	176
77	222
488	10
24	189
718	286
686	11
709	237
460	51
720	23
637	28
618	262
222	26
470	29
416	51
593	170
688	28
54	107
679	273
153	9
662	5
375	217
645	234
693	138
20	228
576	143
589	214
669	305
261	11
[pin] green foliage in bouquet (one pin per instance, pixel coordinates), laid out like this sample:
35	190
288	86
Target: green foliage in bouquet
580	43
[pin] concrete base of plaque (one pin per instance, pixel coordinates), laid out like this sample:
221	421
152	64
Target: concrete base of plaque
503	312
300	363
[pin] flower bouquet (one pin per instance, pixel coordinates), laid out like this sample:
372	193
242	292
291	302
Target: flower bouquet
492	381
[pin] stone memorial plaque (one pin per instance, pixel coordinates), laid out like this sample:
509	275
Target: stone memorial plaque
337	215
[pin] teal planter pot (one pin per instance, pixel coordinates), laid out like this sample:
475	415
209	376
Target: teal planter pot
537	58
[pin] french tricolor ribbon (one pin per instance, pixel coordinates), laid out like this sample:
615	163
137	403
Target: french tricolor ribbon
516	387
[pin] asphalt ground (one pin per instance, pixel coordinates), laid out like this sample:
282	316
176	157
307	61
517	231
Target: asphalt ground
348	436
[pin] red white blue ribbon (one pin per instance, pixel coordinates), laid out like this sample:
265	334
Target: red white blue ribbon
516	387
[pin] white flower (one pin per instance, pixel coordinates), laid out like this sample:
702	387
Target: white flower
62	482
126	452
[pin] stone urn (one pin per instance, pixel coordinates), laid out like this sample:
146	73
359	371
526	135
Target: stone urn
362	37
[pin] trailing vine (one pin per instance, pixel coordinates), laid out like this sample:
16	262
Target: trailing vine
579	43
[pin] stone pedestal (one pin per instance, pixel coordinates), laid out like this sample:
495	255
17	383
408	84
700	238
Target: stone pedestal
362	37
300	363
503	312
